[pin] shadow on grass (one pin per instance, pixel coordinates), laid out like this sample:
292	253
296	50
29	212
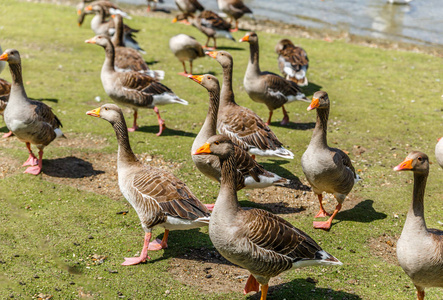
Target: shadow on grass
363	212
276	167
69	167
311	88
228	48
280	208
164	10
296	126
45	99
166	132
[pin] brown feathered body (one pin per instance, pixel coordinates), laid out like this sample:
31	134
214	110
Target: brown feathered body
293	62
5	89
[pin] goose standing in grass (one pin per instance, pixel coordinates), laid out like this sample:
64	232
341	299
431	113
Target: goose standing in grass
33	122
293	62
266	87
5	90
420	249
250	174
158	197
129	59
189	7
152	5
235	9
133	89
109	7
439	151
259	241
243	126
186	48
327	169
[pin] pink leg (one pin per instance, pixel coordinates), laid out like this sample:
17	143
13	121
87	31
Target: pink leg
185	73
35	170
210	207
270	117
161	122
236	27
327	225
252	285
285	120
159	244
6	135
322	212
134	125
32	160
143	256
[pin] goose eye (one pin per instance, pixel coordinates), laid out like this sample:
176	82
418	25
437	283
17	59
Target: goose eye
216	142
419	158
106	108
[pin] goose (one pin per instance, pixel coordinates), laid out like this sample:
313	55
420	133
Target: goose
5	90
259	241
235	9
2	63
109	7
33	122
242	125
189	7
419	249
133	89
327	169
210	24
293	62
158	197
250	174
439	152
266	87
101	26
186	48
129	59
152	5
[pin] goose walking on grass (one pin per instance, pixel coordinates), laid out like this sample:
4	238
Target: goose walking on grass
186	48
420	249
235	9
266	87
133	89
327	169
33	122
250	174
189	7
293	62
261	242
243	126
158	197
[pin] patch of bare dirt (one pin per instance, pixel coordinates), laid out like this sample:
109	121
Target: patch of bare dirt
385	247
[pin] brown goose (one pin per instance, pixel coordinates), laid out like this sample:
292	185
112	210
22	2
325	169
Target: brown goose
255	239
189	7
33	122
241	124
133	89
327	169
293	62
211	24
250	174
420	249
5	89
266	87
186	48
439	151
109	7
129	59
235	9
158	197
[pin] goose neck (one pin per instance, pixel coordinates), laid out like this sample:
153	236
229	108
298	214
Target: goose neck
17	80
227	200
108	65
319	136
125	154
210	124
254	63
117	38
227	93
415	220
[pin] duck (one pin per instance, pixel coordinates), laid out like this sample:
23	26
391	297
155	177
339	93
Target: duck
189	7
158	197
32	122
251	175
255	239
439	152
243	126
110	8
210	24
186	48
5	90
128	59
419	249
266	87
327	169
133	89
293	62
235	9
101	26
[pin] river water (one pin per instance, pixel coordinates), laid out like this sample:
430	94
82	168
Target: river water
419	22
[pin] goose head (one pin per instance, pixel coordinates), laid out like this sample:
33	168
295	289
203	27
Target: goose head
224	58
416	161
282	45
320	100
219	145
109	112
207	81
250	37
100	40
12	56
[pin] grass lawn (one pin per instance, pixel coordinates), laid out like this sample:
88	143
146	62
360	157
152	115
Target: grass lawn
62	233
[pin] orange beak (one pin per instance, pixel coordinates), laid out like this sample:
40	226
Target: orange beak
314	104
405	165
94	112
205	149
212	54
113	16
245	38
174	20
89	7
4	57
196	78
79	12
91	41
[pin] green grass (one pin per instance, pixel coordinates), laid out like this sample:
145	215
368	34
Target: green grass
386	101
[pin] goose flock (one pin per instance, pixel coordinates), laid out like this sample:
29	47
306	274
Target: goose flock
224	149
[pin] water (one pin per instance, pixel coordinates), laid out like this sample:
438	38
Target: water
420	22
